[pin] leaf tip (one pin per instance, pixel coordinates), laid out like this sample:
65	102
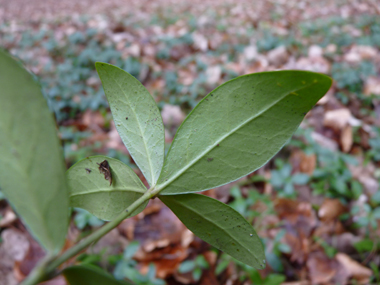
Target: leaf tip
100	64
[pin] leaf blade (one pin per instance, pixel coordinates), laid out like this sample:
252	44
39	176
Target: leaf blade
32	172
219	225
249	119
88	189
90	275
136	117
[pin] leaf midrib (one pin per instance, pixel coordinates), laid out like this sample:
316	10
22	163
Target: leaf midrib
211	222
202	154
142	134
106	191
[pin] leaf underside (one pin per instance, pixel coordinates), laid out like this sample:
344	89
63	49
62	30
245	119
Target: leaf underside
237	128
32	172
219	225
136	117
88	189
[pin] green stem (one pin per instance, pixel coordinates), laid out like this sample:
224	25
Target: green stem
42	270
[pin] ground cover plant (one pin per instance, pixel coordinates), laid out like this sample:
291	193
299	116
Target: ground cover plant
232	132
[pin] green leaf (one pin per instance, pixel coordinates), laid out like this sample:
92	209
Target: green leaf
222	265
276	178
197	274
186	266
131	249
300	178
219	225
90	275
202	262
237	128
32	171
375	198
274	279
137	119
88	189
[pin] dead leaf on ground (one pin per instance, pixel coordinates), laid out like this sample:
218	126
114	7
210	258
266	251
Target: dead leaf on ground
355	270
278	56
346	138
372	86
321	268
8	218
172	115
358	53
166	260
16	244
299	214
213	74
114	141
34	255
303	162
331	209
337	119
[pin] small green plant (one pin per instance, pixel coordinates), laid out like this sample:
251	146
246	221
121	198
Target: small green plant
232	132
328	249
247	272
126	268
83	218
195	266
274	253
374	142
283	180
369	219
331	176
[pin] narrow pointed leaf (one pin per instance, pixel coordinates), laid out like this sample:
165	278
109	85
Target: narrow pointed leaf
219	225
88	188
136	117
237	128
90	275
32	172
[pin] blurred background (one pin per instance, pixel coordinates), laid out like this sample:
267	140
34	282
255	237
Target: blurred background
316	205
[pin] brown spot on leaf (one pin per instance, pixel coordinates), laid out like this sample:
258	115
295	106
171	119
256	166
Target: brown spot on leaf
104	168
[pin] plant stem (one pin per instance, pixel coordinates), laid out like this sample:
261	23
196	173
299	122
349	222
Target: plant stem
43	269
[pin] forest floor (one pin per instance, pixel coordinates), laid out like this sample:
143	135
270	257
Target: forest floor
316	205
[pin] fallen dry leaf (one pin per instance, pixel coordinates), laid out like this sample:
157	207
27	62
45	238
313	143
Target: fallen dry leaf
316	64
346	138
321	268
324	141
34	255
337	119
16	244
172	115
278	56
331	209
358	53
8	218
303	162
213	74
345	242
372	86
166	260
355	270
115	141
